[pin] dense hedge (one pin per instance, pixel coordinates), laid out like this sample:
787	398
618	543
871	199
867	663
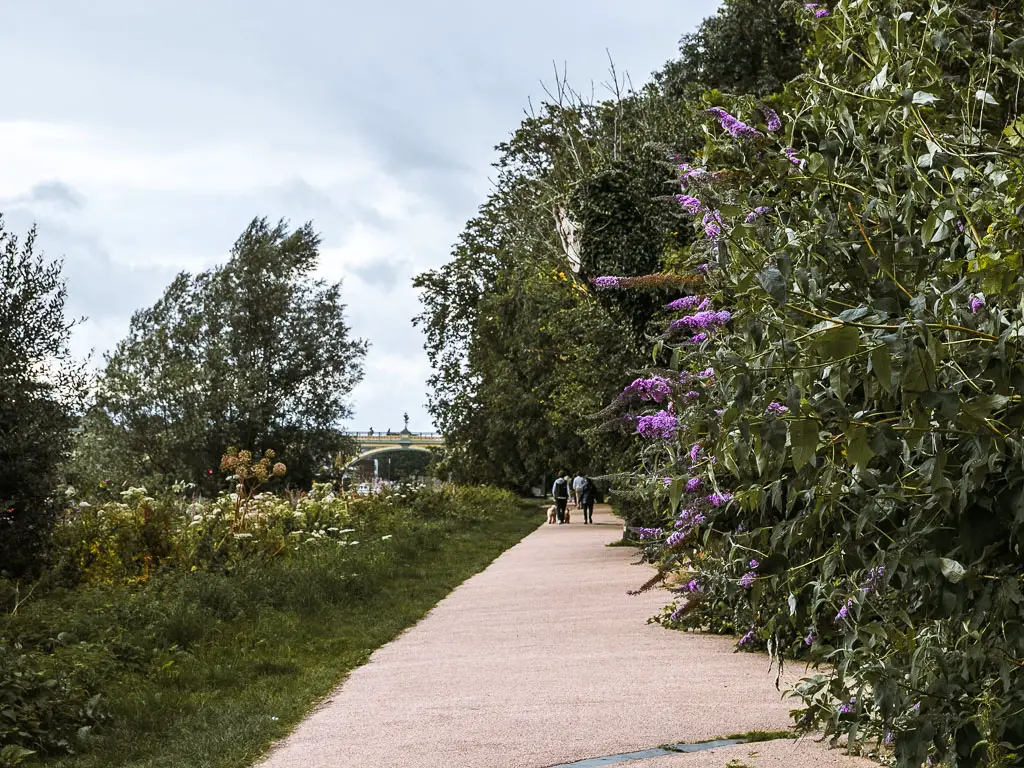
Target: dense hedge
835	438
145	584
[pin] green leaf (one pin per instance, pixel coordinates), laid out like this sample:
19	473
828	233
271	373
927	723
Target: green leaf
1016	48
840	342
858	446
924	98
774	284
676	492
803	438
881	364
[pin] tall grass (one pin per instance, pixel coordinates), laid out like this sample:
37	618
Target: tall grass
205	667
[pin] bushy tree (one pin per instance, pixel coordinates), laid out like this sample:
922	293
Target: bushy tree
843	428
749	46
41	390
255	354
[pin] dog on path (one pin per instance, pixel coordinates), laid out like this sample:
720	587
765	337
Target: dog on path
552	512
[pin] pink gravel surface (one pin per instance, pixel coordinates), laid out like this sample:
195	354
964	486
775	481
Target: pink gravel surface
544	659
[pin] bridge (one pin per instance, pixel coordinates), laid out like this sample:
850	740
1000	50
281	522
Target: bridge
371	444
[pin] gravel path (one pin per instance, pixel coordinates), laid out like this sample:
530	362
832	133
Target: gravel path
543	659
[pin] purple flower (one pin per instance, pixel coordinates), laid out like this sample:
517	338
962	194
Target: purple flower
747	637
690	203
606	282
771	118
718	499
693	586
736	128
811	637
699	520
747	579
705	320
692	395
977	304
666	481
687	302
889	738
676	538
846	709
662	424
694	484
754	563
712	224
757	213
655	388
700	175
791	155
776	409
678	612
874	579
707	373
694	452
821	13
697	338
844	612
646	534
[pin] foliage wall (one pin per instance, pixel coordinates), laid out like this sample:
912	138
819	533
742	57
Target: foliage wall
834	445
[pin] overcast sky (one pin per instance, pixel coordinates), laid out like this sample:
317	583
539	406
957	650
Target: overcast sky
142	137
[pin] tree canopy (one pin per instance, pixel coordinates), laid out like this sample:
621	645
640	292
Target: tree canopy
41	390
255	353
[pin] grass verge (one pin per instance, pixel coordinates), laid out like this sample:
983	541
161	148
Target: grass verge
256	679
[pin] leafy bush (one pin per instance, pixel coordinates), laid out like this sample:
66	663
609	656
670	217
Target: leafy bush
148	582
841	419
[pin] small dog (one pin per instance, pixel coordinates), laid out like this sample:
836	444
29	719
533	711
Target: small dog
552	512
567	514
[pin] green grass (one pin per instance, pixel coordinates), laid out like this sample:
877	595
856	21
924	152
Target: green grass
227	700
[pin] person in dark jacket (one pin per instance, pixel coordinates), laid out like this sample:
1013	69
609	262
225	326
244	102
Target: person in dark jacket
560	492
588	494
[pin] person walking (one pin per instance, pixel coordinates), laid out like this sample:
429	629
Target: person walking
587	495
577	483
560	492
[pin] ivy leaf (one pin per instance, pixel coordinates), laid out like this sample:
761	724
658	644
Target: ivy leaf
774	284
803	438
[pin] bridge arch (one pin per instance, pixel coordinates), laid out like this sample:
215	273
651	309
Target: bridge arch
369	454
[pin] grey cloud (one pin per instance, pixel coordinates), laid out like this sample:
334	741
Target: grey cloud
56	192
383	273
98	286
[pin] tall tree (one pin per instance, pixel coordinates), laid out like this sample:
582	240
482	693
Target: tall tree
750	46
41	388
255	353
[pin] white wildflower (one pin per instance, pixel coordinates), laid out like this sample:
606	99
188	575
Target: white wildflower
385	538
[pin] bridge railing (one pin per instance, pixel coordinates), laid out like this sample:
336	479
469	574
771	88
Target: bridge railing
397	435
